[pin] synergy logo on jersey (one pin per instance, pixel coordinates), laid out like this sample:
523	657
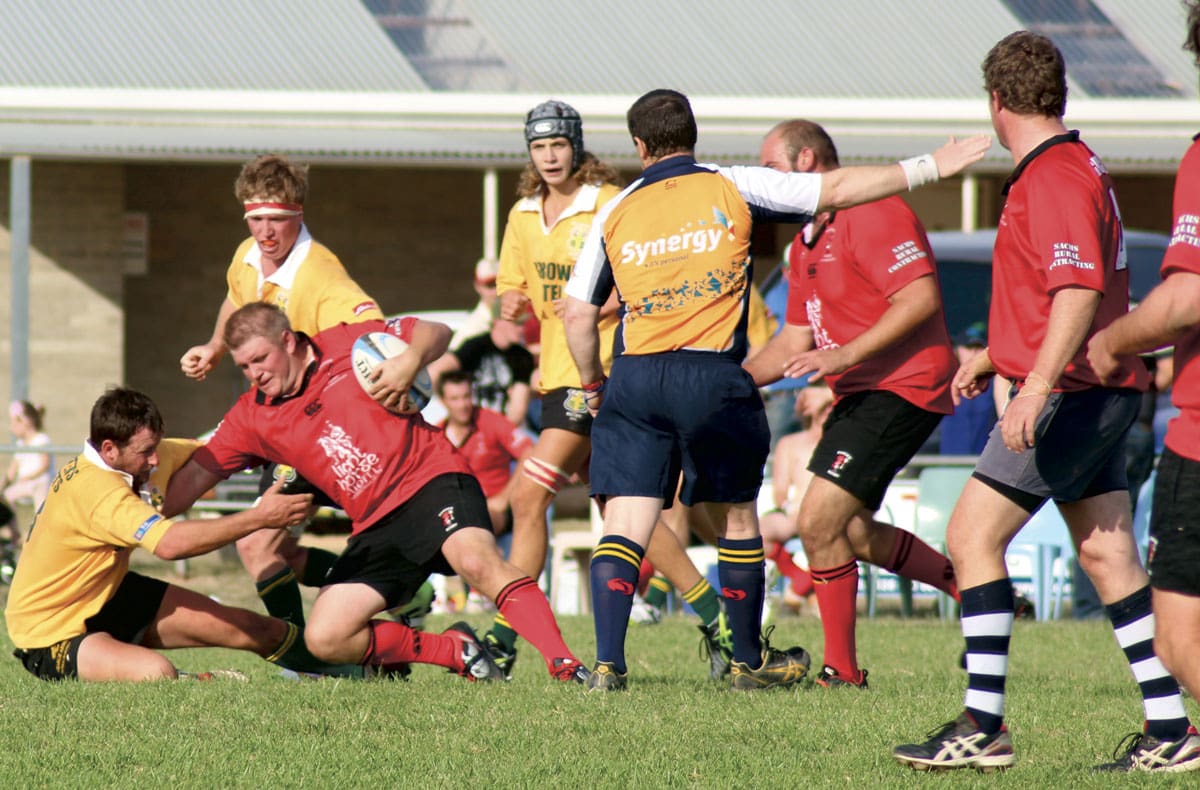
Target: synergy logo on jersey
353	467
840	461
696	238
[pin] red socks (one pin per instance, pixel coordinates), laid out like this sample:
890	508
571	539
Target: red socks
525	607
915	559
837	596
802	581
395	643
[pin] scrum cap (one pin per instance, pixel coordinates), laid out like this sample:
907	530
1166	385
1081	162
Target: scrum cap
556	119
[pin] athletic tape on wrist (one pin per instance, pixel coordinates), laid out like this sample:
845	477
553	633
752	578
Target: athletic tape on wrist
919	170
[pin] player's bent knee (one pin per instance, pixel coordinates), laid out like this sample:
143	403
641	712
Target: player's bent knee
326	640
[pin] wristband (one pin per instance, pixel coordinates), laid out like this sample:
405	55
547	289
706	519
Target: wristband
595	386
919	170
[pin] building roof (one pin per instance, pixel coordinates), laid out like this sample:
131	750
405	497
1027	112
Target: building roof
174	80
278	45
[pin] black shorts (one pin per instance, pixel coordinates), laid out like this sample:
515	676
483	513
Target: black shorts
395	555
868	437
566	409
1174	528
125	617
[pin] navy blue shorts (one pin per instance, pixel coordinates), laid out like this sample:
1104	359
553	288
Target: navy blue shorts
687	411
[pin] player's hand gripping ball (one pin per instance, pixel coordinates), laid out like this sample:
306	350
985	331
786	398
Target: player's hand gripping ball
369	352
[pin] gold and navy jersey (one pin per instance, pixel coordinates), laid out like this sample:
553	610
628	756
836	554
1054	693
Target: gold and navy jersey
676	246
78	549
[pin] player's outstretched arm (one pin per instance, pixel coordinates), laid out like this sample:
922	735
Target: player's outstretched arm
769	364
1168	311
185	487
850	186
272	511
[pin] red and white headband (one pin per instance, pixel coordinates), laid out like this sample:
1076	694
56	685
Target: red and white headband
263	208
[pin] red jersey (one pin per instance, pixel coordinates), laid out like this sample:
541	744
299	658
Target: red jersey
1060	227
367	459
1183	255
492	444
839	284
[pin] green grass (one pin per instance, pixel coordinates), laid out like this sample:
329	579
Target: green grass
1071	699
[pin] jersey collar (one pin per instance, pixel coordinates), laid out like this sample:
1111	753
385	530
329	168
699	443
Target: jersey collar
584	202
1070	137
93	457
285	274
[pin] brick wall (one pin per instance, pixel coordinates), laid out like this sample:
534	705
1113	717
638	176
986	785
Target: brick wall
76	291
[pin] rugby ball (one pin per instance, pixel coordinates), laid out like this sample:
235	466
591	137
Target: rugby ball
372	349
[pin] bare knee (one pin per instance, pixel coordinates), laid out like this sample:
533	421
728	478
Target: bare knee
261	553
529	500
326	639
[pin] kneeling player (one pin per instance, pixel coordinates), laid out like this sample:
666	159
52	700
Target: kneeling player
414	505
76	610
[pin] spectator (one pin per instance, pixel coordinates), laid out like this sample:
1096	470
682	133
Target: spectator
490	443
965	432
479	321
27	479
500	368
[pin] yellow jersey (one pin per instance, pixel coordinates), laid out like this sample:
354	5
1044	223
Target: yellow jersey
78	548
311	287
538	261
676	246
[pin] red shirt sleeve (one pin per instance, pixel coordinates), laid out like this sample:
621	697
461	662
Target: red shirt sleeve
890	245
232	447
1065	231
1183	253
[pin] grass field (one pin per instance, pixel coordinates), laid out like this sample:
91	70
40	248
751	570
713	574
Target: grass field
1071	699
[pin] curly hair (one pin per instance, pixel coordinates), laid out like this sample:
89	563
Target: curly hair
272	177
1192	44
591	171
1028	74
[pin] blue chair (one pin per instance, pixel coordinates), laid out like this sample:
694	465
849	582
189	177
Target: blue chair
1045	543
938	489
1141	514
